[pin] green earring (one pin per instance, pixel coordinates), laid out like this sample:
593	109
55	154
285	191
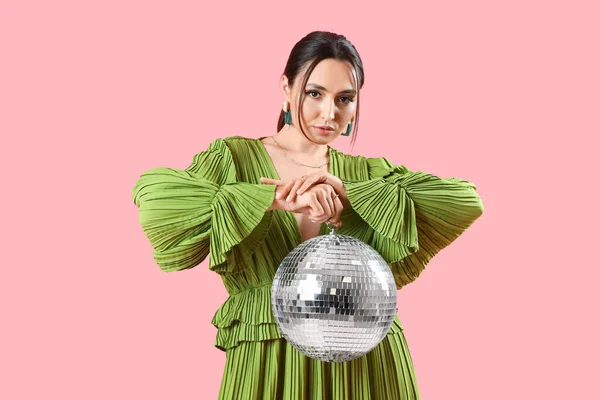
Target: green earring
347	133
287	116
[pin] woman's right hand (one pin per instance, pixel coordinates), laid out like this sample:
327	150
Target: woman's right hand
320	202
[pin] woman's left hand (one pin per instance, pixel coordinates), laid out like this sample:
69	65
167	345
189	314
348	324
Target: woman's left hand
293	187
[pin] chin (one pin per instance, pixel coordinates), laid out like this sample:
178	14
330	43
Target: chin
323	140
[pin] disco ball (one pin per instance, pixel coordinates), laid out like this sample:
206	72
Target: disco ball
334	298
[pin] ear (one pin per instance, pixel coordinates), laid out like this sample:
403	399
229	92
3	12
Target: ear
285	87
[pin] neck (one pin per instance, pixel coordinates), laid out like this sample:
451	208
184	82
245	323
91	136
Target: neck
295	141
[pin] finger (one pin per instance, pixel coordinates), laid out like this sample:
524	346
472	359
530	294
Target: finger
281	191
294	188
339	207
319	220
315	207
326	208
332	218
303	210
337	224
336	219
331	207
285	190
307	184
271	180
311	181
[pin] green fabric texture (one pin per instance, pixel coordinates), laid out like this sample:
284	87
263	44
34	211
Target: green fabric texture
217	207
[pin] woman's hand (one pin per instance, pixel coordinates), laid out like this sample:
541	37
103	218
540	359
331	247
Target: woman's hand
321	203
293	187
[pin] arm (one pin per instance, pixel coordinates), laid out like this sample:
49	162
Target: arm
409	217
187	214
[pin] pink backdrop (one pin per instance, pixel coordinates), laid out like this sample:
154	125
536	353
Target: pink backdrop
94	92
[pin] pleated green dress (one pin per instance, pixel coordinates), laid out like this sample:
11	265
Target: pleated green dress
218	206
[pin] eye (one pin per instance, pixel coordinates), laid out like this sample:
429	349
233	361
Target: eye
343	99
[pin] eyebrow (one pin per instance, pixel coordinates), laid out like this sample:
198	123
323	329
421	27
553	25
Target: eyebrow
349	91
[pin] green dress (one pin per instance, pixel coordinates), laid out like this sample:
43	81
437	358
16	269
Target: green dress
218	206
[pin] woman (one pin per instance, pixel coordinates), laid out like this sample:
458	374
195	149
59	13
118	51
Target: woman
248	202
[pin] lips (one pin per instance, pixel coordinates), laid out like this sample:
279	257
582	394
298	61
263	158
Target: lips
325	127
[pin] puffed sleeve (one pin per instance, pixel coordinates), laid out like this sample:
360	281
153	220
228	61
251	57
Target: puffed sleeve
187	214
408	217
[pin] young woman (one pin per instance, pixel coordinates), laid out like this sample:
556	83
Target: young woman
248	202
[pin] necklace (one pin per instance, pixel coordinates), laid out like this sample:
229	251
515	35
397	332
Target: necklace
299	163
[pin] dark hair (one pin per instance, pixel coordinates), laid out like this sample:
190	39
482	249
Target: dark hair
312	49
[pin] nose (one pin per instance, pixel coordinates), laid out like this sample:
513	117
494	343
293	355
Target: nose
328	112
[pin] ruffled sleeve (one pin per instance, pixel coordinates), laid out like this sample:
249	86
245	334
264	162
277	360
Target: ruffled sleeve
408	217
187	214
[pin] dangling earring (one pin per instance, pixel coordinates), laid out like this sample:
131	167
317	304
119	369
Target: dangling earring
349	129
287	119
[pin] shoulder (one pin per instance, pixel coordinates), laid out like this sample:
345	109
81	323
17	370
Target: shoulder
347	158
223	142
372	167
225	146
217	156
223	152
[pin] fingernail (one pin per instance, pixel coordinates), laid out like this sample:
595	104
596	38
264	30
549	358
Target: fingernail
288	199
278	196
298	191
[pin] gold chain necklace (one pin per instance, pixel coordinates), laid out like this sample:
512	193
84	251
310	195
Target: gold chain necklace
299	163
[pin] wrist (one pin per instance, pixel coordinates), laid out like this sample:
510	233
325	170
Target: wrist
279	204
338	185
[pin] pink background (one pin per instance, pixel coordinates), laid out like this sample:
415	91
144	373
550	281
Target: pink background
503	94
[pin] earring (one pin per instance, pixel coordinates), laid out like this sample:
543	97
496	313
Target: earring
349	129
287	118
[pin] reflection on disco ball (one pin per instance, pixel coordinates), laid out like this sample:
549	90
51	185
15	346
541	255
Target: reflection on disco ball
334	298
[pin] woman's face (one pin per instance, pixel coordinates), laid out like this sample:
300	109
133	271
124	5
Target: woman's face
330	100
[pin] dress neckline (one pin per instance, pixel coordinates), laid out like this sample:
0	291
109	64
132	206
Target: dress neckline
275	175
274	172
